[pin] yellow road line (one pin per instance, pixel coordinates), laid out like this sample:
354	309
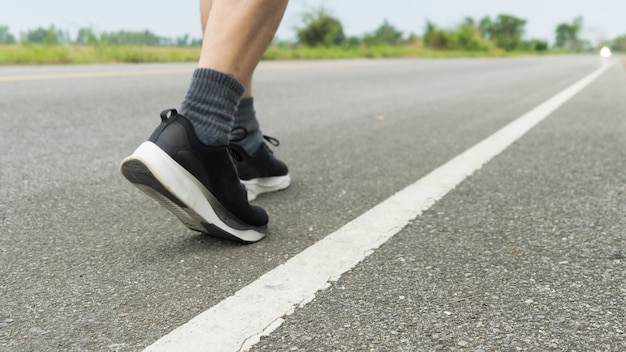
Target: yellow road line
92	75
291	66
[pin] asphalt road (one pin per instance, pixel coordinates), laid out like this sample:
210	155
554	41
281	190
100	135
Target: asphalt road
529	253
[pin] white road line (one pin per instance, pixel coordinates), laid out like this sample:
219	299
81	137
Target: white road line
238	322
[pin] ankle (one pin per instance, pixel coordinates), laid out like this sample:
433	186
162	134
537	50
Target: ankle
210	105
251	142
245	119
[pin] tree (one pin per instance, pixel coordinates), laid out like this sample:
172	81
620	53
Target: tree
5	36
385	34
86	36
505	31
436	38
145	38
619	44
534	45
320	29
413	39
351	42
486	27
567	35
183	41
464	37
468	37
50	36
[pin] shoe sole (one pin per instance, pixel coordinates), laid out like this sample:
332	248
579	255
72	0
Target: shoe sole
155	173
257	186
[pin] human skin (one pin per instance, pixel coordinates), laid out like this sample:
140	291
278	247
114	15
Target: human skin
236	35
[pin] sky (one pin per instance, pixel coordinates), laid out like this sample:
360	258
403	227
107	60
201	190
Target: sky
603	19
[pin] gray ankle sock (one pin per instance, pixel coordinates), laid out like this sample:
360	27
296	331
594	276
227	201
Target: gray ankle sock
210	105
245	118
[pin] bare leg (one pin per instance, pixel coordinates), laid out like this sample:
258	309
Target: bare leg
205	10
237	33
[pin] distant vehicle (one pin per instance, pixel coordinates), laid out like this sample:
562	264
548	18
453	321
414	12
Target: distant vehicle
605	52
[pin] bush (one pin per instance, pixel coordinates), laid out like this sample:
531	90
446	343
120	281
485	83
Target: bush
320	29
466	37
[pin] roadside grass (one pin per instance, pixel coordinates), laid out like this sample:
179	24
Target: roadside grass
33	54
314	53
57	54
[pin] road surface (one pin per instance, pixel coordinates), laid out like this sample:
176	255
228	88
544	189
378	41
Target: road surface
526	252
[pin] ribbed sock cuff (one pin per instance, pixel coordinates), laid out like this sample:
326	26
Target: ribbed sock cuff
210	105
245	118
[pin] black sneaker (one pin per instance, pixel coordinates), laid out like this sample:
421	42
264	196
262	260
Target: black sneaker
196	182
261	172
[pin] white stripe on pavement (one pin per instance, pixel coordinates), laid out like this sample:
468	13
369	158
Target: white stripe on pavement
238	322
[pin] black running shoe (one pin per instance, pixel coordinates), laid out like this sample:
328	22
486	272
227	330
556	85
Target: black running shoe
261	172
196	182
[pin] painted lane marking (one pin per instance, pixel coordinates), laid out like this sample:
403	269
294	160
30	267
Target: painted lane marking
239	321
52	76
82	75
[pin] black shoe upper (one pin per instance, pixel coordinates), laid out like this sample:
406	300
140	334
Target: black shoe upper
262	163
212	166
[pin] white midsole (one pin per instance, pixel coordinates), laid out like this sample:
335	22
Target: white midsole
186	187
266	184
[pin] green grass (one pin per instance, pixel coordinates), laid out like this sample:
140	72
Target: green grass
29	54
56	54
313	53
